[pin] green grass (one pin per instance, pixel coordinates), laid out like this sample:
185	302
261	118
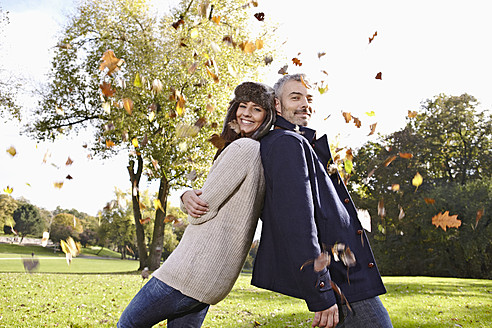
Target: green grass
97	300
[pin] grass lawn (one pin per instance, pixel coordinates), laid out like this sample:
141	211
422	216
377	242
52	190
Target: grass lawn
97	300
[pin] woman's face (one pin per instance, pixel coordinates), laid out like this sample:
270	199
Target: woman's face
249	116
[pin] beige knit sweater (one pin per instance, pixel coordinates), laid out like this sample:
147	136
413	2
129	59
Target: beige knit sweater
209	257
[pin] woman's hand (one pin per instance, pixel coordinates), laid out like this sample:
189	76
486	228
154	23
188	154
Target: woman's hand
194	205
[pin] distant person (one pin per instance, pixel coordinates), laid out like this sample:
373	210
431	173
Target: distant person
307	210
204	267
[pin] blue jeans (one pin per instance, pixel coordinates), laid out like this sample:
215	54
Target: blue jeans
157	301
369	313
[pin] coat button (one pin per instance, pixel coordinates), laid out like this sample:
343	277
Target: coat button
322	284
359	232
346	200
370	265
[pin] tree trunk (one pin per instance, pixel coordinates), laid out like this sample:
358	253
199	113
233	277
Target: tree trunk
137	215
158	234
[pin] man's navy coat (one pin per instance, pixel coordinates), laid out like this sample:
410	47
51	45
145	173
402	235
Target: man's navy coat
306	209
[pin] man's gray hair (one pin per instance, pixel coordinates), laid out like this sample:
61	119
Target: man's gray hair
278	87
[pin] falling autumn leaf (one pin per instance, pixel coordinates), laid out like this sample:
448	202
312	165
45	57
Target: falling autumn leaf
321	54
169	218
417	180
283	70
412	114
158	205
178	23
144	221
216	19
379	76
479	216
8	190
444	220
296	61
69	162
106	89
157	86
395	187
12	151
44	240
137	82
381	209
373	36
260	16
110	62
347	116
128	105
217	141
389	160
357	122
430	201
135	142
259	44
372	127
109	144
58	185
405	155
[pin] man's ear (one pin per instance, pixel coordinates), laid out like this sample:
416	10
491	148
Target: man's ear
278	107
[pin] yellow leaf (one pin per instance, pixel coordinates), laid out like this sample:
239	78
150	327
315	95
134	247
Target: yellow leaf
417	180
58	185
8	190
151	116
137	83
109	144
158	205
44	240
371	113
259	44
106	107
395	187
194	33
412	114
12	151
128	105
135	142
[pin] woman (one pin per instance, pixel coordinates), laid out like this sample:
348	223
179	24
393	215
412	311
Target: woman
203	268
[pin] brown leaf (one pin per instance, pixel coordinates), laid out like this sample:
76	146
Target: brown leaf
373	128
373	36
381	209
178	23
444	220
128	105
69	161
260	16
402	213
144	221
106	89
357	122
12	151
296	61
283	70
412	114
68	177
430	201
379	76
217	141
479	216
321	54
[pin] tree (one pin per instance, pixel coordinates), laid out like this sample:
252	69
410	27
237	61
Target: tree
159	94
455	165
117	229
65	225
7	86
27	220
7	207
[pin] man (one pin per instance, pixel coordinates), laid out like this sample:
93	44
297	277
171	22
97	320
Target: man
308	211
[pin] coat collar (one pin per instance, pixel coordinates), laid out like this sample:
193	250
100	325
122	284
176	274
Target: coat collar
320	145
307	133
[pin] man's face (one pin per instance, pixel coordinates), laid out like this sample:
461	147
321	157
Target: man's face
295	103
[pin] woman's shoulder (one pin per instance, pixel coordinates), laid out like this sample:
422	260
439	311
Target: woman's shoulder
246	143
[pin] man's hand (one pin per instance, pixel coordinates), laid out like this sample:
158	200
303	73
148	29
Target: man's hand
327	318
194	205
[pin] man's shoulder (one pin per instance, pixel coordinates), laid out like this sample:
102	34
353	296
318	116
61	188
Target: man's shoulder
281	134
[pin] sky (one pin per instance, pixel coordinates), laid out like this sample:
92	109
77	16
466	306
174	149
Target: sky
422	48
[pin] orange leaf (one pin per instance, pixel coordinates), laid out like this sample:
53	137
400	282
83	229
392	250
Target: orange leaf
58	184
412	114
379	76
109	144
373	36
395	187
405	155
144	221
259	44
296	61
479	216
169	218
381	209
389	160
128	105
110	62
444	220
304	83
216	19
69	161
357	122
347	116
430	201
247	47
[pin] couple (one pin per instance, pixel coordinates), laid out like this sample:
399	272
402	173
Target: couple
283	180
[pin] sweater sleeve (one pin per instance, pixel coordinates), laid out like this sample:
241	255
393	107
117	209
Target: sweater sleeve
226	175
294	217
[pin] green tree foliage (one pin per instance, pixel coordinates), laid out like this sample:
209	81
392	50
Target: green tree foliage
65	225
27	220
117	229
163	100
7	207
449	143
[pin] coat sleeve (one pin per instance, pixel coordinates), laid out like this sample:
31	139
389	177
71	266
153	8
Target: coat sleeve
293	217
226	176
